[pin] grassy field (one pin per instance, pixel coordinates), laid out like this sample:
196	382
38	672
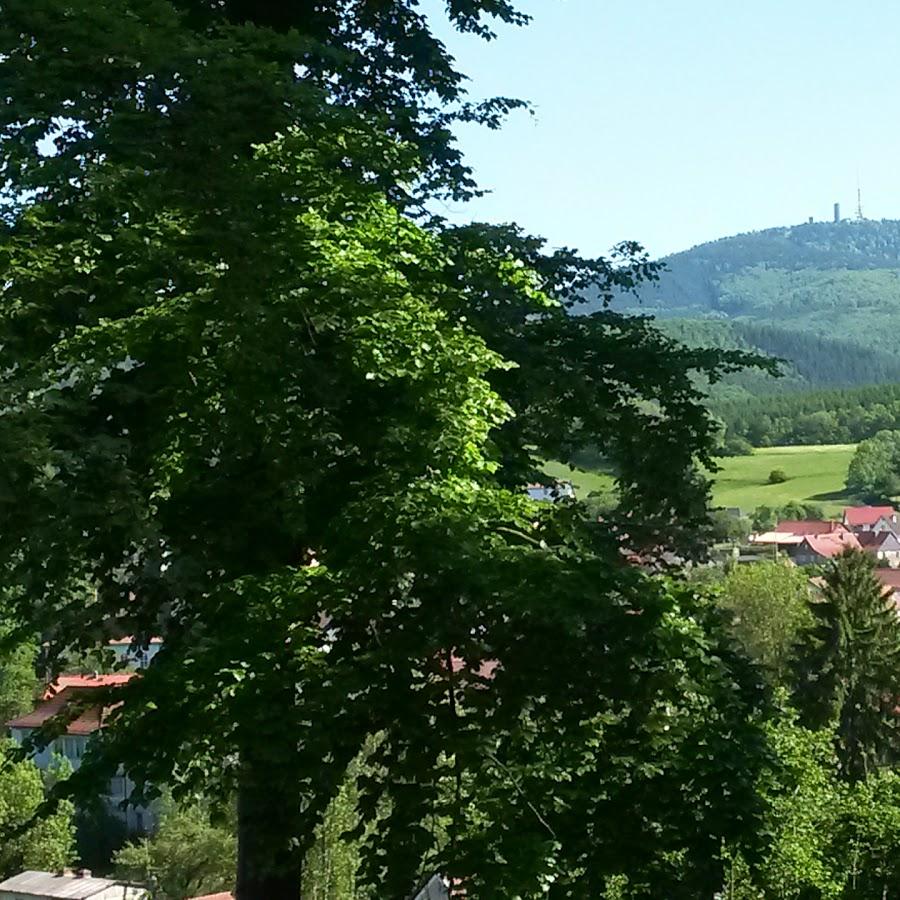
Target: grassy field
816	474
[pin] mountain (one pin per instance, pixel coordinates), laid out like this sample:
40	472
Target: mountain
824	295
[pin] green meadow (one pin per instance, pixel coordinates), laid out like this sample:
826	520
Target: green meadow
815	474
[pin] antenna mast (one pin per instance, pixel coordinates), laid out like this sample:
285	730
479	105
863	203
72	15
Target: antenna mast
859	214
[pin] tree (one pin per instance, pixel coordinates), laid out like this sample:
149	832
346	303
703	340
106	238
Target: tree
874	471
847	665
47	844
187	856
260	410
18	680
777	476
769	604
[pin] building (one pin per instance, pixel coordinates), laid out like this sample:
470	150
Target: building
883	545
72	745
134	654
66	886
890	578
435	889
816	549
870	518
558	490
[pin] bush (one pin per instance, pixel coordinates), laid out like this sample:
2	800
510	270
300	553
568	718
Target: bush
777	476
735	446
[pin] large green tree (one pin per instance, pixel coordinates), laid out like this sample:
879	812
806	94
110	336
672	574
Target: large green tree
769	606
258	409
874	471
848	665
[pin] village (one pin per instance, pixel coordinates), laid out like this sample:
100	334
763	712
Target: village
874	530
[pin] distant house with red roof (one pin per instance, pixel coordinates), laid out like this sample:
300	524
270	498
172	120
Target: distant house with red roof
82	703
804	527
870	518
789	534
815	549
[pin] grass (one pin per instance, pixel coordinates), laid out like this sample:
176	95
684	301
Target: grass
815	474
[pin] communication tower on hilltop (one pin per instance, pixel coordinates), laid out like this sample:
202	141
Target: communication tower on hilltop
859	214
837	212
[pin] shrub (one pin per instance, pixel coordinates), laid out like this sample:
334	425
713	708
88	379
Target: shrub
777	476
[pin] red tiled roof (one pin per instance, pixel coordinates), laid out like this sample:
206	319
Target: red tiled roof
809	526
114	679
867	515
69	689
829	545
89	721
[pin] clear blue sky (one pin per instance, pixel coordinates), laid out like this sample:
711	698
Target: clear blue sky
673	123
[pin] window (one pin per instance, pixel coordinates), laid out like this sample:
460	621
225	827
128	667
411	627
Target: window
73	747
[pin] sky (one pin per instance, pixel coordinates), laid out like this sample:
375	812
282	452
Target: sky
674	122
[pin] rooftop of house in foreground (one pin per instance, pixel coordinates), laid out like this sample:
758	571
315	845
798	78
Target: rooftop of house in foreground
65	886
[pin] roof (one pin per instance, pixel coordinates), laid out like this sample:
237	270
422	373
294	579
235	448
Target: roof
224	896
68	689
87	681
889	578
867	515
829	545
129	640
874	540
809	526
46	884
775	537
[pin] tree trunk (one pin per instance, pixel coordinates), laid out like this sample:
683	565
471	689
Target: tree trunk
270	863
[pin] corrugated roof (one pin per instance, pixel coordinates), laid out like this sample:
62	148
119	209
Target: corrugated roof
66	887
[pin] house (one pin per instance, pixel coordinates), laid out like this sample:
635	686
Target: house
883	545
816	549
890	578
871	518
79	885
803	527
558	490
789	534
435	889
128	651
87	719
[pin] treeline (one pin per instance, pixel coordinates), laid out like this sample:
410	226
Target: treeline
811	360
813	417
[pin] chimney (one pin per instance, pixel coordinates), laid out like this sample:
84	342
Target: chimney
837	212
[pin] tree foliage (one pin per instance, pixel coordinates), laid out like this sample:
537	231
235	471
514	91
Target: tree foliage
187	856
848	665
263	412
874	471
48	844
769	604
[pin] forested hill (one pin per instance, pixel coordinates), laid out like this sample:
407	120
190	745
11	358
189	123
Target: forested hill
824	295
